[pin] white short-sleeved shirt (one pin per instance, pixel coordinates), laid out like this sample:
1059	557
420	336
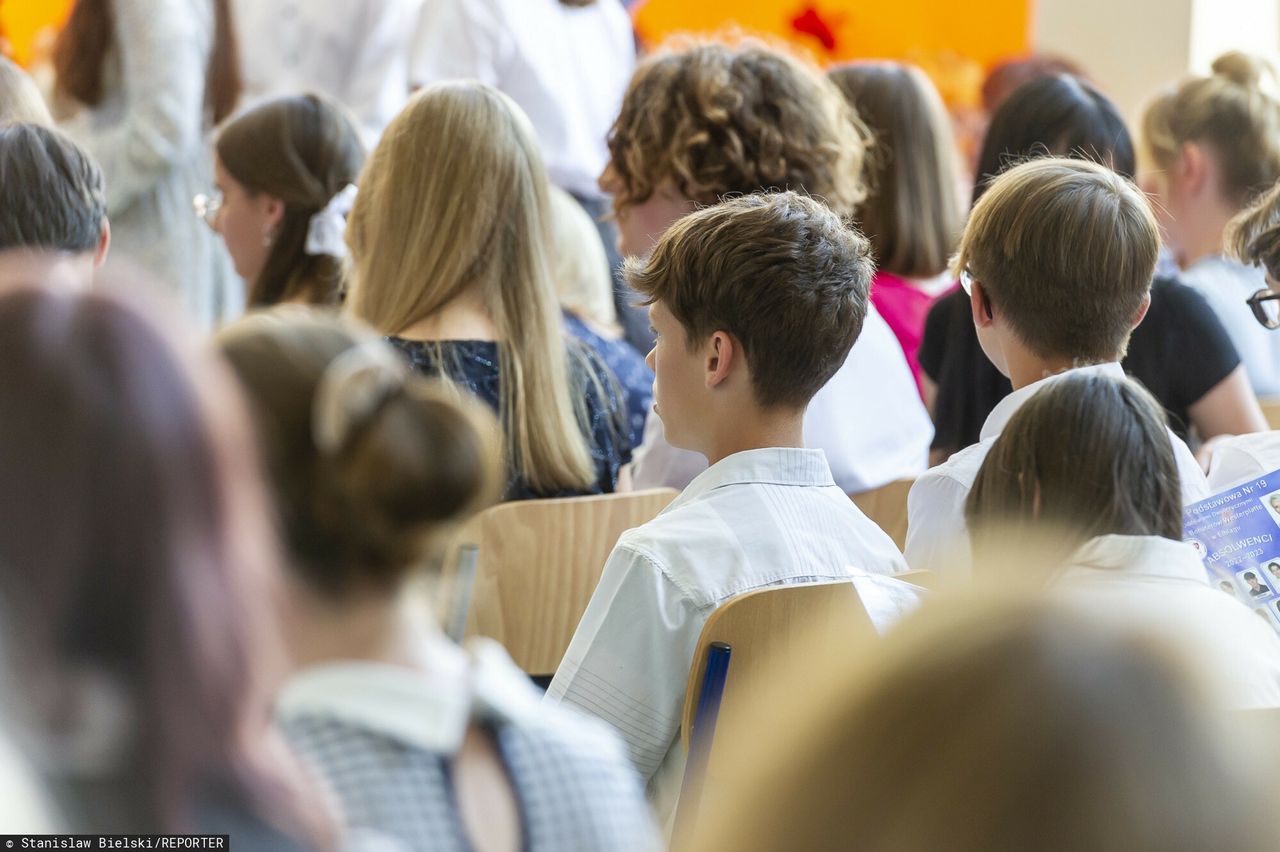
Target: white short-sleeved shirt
937	536
566	67
1159	583
355	53
755	519
868	420
1225	285
1241	458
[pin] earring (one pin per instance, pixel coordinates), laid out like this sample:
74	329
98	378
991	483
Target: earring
267	239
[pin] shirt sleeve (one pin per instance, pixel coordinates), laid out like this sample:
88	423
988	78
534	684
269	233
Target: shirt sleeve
628	662
937	536
456	39
1208	355
163	56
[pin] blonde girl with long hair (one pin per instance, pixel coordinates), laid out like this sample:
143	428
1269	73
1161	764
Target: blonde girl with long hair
449	239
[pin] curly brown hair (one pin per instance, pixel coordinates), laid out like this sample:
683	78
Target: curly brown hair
737	116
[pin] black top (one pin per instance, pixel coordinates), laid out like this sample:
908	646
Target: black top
1179	352
473	364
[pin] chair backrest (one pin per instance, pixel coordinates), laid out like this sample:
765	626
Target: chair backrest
762	628
537	564
1271	410
887	506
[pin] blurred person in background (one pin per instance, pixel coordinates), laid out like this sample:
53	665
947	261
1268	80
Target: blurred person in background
450	240
284	182
1088	458
999	724
20	98
566	63
440	747
140	84
356	53
585	288
912	213
1209	146
1180	351
137	572
674	148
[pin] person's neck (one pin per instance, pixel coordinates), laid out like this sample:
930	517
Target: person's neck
762	431
463	318
1205	237
1028	370
395	628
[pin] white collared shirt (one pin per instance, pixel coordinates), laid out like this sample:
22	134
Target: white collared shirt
937	537
355	53
566	67
758	518
383	736
868	419
1242	458
1161	584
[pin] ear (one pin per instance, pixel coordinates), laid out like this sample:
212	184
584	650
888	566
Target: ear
721	355
104	244
1192	167
1142	311
274	210
980	306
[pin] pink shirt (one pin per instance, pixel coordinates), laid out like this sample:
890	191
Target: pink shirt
904	307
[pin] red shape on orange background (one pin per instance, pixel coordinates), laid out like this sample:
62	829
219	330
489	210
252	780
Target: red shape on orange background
810	22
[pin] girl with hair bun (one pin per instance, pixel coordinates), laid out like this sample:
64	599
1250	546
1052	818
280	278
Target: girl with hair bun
1209	147
284	174
436	746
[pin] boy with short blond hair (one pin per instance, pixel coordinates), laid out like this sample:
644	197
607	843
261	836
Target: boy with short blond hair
1057	258
756	303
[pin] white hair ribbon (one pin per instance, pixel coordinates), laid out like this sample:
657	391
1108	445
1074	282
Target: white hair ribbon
352	387
326	228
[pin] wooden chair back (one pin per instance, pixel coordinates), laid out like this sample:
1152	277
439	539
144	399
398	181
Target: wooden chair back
536	565
761	628
1271	410
887	506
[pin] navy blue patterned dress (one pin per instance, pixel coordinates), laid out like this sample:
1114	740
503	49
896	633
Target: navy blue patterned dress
473	364
634	375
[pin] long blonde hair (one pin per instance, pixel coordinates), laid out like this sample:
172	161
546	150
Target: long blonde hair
454	200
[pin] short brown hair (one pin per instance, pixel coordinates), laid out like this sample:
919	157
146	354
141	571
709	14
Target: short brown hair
1066	249
1253	236
782	273
1088	455
718	118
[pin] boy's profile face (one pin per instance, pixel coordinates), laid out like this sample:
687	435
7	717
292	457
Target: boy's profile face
640	226
679	386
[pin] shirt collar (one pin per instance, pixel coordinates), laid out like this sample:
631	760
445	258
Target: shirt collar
1007	407
771	465
428	710
1142	555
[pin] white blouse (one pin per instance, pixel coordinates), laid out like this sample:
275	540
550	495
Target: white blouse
355	53
566	67
151	138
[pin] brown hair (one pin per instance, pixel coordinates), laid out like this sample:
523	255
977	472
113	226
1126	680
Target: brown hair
1253	236
780	272
1088	455
83	45
1231	113
1065	248
1006	724
717	118
363	513
912	213
453	201
136	566
303	150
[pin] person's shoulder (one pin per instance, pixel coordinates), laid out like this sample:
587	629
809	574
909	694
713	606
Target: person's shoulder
961	468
